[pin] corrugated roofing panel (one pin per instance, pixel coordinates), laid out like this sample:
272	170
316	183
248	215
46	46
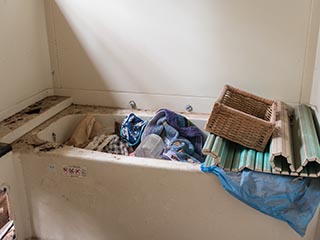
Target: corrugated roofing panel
294	150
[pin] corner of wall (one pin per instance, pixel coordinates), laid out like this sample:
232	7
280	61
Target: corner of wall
310	53
52	43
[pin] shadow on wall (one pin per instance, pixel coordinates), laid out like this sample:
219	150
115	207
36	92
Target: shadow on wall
73	62
192	49
99	56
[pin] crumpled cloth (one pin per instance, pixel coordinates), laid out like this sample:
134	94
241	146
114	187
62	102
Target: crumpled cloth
81	135
286	198
109	144
131	129
183	141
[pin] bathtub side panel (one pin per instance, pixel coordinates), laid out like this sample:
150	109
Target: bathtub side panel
11	178
317	236
125	201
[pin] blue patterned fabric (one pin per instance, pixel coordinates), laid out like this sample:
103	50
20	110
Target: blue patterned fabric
131	129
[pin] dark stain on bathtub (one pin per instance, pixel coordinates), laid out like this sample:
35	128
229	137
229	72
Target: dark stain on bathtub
34	111
47	147
35	145
65	197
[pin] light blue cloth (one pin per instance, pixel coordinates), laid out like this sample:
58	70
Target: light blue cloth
286	198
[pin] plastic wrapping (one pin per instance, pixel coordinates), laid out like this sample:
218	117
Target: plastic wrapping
290	199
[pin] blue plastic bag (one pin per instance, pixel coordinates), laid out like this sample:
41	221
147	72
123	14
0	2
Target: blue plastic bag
289	199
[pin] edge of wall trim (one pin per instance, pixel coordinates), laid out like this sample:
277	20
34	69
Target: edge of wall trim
310	53
143	101
25	103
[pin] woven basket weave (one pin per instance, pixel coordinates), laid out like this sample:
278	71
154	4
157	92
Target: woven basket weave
243	118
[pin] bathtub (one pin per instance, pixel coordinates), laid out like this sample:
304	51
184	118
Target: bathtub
120	198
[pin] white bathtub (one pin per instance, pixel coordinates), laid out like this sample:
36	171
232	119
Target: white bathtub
64	127
129	198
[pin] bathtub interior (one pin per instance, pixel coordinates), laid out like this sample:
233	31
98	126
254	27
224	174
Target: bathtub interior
61	130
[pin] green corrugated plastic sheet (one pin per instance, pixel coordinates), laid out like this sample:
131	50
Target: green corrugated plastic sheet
306	138
303	143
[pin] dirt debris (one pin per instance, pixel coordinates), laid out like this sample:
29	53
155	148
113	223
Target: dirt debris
29	113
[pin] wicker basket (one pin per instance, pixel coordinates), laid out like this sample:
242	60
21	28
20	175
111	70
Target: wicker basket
243	118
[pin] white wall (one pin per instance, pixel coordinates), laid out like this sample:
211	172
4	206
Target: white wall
315	93
153	51
24	56
159	53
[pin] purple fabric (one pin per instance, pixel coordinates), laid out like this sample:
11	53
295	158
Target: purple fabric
172	127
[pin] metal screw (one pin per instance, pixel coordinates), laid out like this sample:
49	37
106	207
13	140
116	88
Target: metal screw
189	108
132	104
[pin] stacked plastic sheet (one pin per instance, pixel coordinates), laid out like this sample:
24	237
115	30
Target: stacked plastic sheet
293	149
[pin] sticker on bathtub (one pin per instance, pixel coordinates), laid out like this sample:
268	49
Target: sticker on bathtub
74	171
